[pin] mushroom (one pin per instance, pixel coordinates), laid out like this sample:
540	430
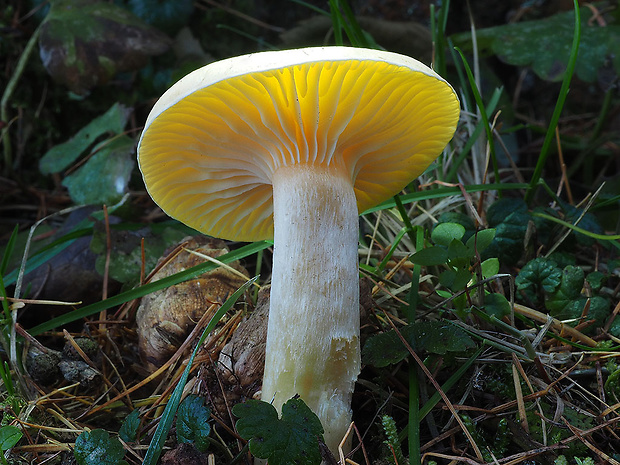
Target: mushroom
293	145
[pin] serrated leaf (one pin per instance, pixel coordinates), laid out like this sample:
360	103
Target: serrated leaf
430	256
9	436
568	302
98	448
193	422
104	178
84	43
61	156
545	45
507	245
569	289
539	274
445	233
292	439
129	429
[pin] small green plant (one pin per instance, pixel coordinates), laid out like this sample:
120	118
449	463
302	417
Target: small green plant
491	444
9	436
563	292
456	252
451	249
14	401
294	438
395	454
562	460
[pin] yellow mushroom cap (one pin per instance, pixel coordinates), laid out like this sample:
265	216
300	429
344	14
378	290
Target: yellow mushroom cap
213	141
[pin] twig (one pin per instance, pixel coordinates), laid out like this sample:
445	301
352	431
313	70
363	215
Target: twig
555	324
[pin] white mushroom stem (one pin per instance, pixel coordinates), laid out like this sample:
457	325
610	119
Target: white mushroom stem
313	333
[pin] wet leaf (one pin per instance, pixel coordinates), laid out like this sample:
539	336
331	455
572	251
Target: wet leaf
568	291
62	155
104	178
292	439
84	43
193	422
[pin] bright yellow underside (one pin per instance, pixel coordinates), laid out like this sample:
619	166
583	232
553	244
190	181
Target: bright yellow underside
208	160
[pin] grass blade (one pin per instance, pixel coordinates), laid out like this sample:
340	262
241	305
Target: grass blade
570	69
444	192
483	113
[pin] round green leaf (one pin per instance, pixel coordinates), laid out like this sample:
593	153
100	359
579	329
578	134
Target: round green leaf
445	233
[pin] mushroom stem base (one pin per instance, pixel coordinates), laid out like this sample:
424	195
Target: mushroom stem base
313	331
